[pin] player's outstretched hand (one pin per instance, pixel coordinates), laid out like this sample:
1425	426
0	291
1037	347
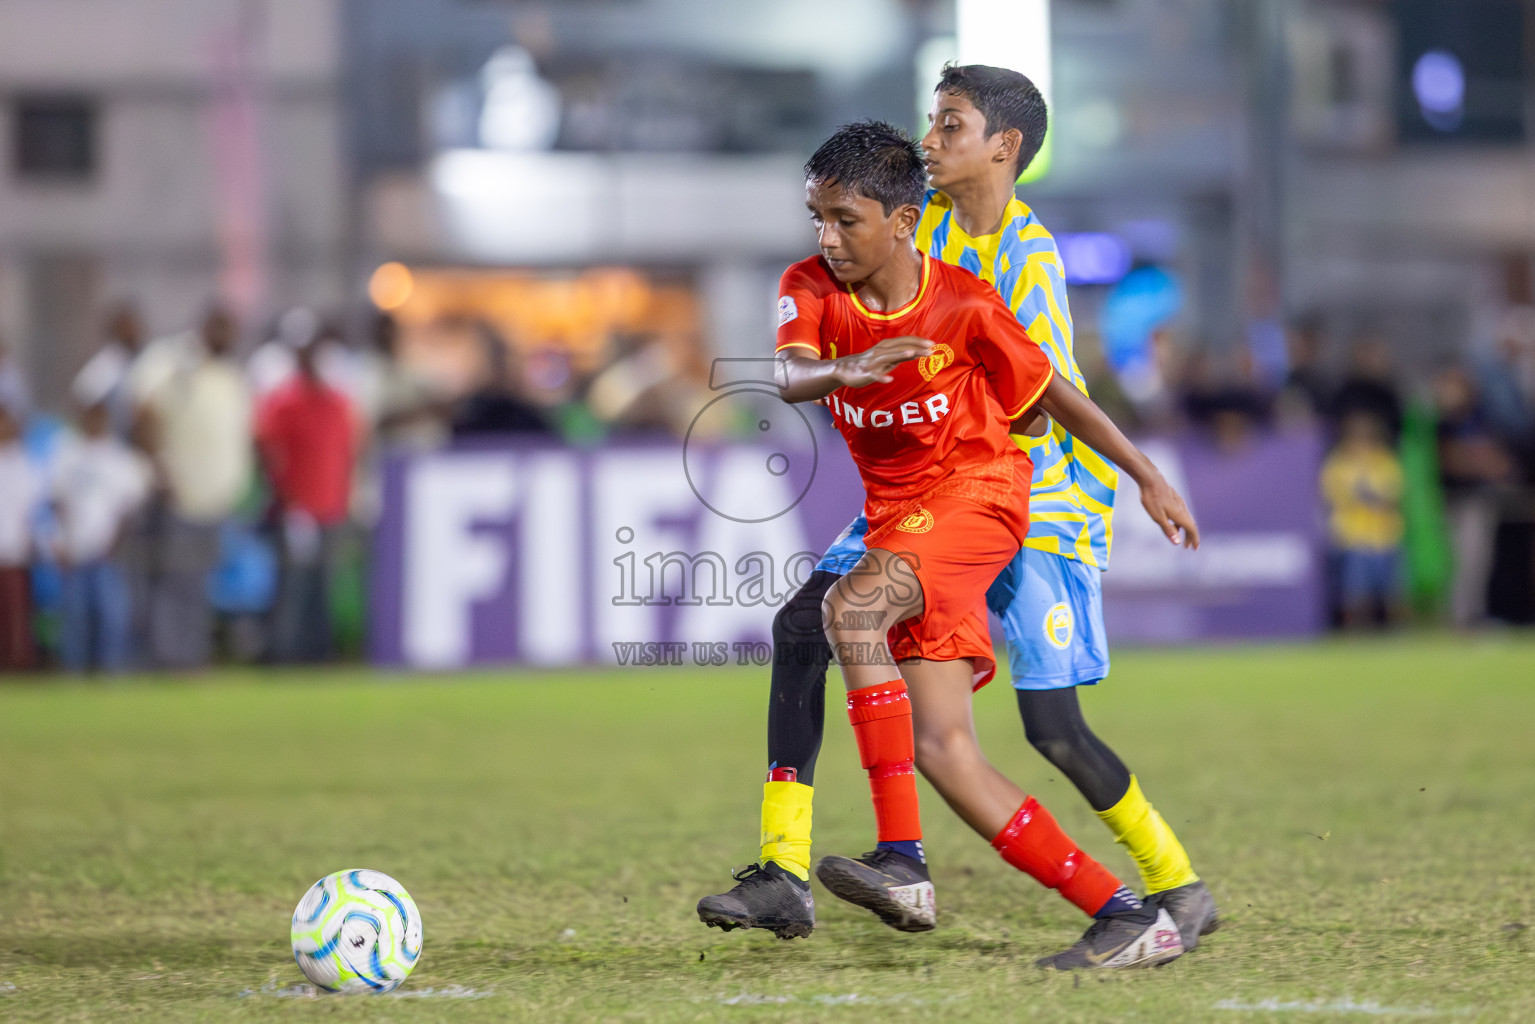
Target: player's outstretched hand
1168	511
873	365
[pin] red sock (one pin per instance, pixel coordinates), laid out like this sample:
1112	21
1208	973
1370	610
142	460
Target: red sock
881	717
1033	843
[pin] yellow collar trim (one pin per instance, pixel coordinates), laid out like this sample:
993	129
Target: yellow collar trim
921	291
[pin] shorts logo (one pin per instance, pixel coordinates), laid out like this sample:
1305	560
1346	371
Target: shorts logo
919	521
1058	624
932	365
787	310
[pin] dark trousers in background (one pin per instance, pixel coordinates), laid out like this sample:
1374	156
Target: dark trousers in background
135	559
18	652
180	614
302	630
97	618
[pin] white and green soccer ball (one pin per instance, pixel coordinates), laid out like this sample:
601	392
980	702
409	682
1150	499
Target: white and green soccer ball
356	931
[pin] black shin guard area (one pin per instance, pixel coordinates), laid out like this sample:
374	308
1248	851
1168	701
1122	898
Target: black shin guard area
1052	720
797	705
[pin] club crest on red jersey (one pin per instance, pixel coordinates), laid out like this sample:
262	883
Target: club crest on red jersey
919	521
936	362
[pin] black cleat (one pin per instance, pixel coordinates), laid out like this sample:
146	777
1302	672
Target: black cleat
1192	909
1135	938
891	884
764	896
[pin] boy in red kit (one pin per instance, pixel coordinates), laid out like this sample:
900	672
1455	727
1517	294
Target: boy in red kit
924	368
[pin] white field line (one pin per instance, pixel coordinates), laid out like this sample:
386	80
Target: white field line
850	999
306	991
1369	1007
446	992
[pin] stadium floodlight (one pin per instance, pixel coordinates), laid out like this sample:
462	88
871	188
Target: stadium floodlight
1010	34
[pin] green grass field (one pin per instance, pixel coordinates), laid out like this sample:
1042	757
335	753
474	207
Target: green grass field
1365	814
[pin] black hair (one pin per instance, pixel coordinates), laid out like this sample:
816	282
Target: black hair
874	160
1006	98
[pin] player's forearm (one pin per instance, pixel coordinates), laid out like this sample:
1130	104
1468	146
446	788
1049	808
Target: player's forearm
1089	424
802	379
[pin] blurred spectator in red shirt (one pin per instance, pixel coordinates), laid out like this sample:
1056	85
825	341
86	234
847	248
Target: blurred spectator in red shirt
307	434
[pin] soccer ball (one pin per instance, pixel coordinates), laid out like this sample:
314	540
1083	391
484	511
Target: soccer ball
356	931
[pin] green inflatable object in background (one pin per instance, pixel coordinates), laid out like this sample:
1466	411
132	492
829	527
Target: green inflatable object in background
1429	559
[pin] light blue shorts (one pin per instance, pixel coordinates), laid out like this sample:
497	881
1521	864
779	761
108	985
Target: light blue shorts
1051	610
847	549
1052	616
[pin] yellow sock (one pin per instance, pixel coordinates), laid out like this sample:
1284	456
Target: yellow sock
786	826
1140	830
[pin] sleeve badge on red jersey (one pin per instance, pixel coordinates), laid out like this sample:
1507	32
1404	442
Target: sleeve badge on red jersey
787	310
935	363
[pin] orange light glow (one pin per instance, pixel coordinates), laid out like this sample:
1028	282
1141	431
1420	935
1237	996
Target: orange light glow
391	286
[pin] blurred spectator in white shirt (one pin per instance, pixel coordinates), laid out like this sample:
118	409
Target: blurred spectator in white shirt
274	362
104	377
21	487
399	409
198	405
98	482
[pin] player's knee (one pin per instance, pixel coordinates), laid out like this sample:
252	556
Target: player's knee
941	750
1057	749
930	755
800	617
835	608
800	656
798	620
831	609
1052	729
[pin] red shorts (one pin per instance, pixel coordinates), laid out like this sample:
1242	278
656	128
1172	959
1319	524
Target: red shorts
955	546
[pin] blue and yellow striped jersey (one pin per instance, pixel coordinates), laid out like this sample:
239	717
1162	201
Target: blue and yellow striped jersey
1071	502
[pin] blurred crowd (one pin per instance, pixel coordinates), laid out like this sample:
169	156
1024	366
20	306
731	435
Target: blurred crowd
1430	485
210	500
198	505
1428	482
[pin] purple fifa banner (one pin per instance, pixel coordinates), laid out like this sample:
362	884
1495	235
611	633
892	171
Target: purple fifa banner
550	555
659	552
1258	572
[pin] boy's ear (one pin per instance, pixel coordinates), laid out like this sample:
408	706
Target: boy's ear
906	218
1009	142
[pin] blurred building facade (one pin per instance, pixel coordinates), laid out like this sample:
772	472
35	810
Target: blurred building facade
165	152
1363	161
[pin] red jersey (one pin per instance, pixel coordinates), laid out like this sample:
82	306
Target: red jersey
307	435
944	415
